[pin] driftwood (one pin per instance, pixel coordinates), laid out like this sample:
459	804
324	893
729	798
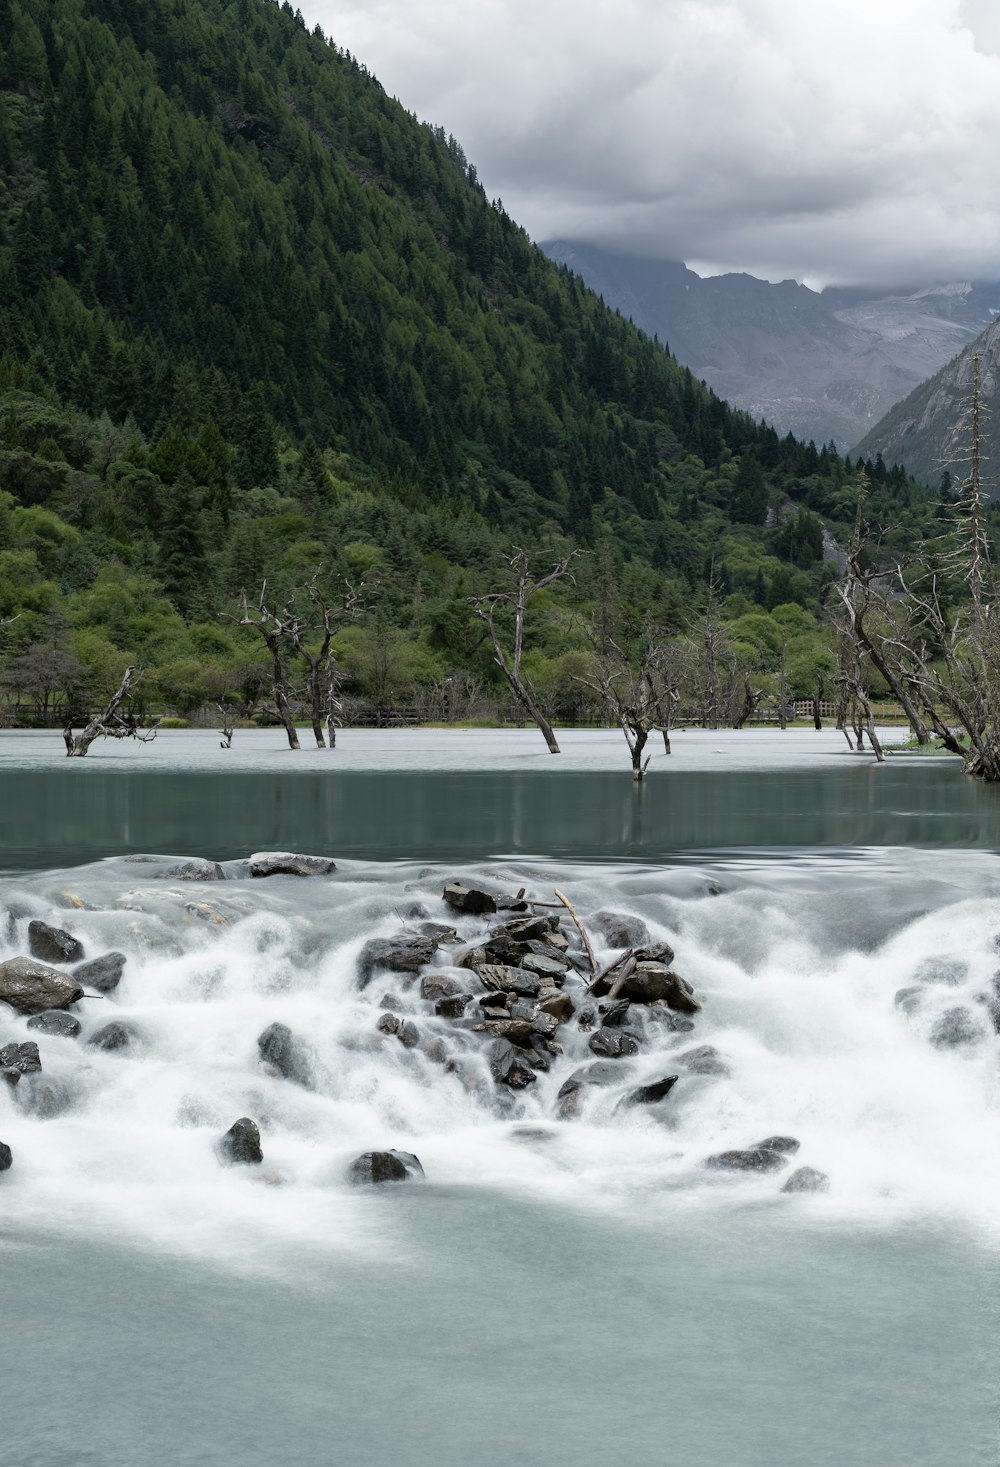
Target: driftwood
580	928
628	969
112	723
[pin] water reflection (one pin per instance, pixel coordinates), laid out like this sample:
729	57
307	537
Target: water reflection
53	816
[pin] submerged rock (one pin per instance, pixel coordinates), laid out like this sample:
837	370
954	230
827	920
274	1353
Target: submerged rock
705	1059
43	1096
114	1036
374	1167
619	929
766	1156
53	944
31	987
807	1179
909	999
650	1094
468	898
406	953
955	1027
285	1054
285	863
55	1021
240	1146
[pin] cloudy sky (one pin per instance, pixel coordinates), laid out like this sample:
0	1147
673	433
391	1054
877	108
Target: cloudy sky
846	141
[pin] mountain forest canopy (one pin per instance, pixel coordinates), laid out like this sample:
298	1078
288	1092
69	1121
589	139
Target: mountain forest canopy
258	323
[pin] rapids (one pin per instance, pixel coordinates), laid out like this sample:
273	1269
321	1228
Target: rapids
567	1293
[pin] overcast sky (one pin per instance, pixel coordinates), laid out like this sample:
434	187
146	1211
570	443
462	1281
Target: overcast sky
845	141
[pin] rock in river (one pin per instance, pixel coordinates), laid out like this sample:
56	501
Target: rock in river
19	1059
55	1022
240	1146
650	1094
114	1036
32	987
373	1167
766	1156
508	1065
103	973
468	899
402	954
52	944
807	1179
619	929
284	1053
6	1157
284	863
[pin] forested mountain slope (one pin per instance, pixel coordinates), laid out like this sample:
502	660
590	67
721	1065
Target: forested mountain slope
929	430
256	320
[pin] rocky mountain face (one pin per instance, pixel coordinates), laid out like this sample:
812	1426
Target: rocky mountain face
824	366
929	430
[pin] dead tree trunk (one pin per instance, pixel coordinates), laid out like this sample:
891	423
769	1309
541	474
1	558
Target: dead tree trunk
275	632
817	701
509	662
112	723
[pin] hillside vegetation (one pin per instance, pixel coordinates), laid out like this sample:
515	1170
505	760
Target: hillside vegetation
258	322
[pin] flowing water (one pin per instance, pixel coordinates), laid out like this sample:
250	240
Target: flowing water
566	1292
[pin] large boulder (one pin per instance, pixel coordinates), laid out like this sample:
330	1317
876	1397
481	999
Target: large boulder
285	863
285	1054
103	973
705	1059
405	953
55	1021
52	944
240	1146
618	929
468	898
31	987
374	1167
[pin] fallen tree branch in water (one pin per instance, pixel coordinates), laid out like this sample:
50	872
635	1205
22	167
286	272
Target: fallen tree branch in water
580	928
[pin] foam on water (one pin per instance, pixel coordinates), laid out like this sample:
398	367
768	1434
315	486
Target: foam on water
797	965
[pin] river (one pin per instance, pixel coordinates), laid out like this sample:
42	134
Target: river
563	1292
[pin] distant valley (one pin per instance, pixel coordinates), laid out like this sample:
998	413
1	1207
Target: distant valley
824	366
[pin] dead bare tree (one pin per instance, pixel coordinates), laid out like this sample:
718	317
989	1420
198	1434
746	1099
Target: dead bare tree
227	730
273	627
508	659
322	675
115	721
632	690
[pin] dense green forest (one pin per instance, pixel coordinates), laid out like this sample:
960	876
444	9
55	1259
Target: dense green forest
258	322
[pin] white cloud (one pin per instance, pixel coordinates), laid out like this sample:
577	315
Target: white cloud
848	141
